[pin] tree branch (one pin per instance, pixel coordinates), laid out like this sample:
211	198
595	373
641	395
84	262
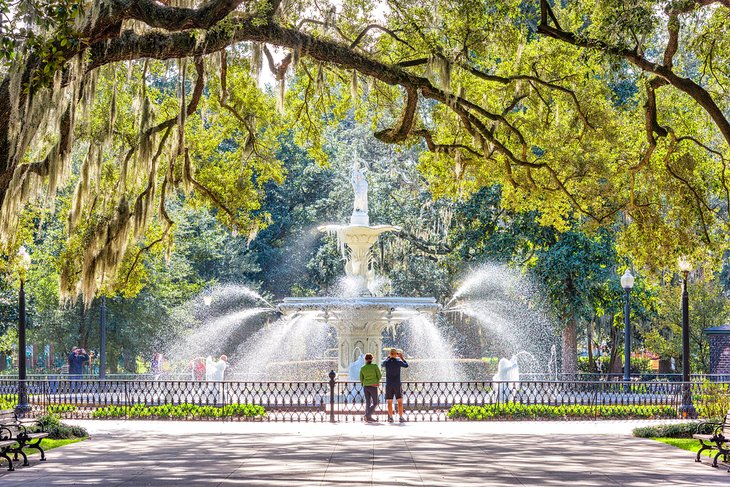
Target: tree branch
686	85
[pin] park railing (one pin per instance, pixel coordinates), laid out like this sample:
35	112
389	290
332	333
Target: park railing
320	401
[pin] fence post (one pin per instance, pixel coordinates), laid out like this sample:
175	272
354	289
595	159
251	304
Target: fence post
332	396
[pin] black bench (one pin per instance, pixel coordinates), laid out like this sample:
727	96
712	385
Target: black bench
15	436
718	440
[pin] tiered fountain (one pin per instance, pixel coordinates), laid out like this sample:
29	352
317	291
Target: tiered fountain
360	318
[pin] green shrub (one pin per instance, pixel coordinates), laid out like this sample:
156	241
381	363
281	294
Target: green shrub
179	411
713	400
8	401
676	430
58	430
542	411
60	408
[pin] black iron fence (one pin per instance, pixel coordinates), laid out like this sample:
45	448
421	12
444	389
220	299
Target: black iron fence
82	398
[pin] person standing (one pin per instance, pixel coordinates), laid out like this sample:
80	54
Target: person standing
370	379
392	366
76	360
156	364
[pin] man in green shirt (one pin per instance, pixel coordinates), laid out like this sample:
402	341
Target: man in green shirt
370	378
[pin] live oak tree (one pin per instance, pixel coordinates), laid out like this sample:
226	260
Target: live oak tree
606	114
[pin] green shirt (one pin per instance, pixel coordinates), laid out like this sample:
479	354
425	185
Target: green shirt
370	375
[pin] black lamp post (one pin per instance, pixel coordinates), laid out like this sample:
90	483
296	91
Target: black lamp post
102	338
627	282
687	409
24	265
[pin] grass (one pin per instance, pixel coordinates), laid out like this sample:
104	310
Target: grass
688	444
50	444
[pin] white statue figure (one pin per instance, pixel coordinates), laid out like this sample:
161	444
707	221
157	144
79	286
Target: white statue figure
508	373
214	370
360	185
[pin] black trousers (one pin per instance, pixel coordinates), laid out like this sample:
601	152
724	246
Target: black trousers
371	400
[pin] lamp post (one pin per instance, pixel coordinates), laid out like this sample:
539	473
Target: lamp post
24	266
102	338
687	409
627	282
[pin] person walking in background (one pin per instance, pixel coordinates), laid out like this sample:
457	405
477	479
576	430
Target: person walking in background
370	379
392	366
156	364
197	367
76	360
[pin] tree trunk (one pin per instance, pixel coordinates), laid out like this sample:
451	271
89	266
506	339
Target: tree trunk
570	349
112	360
614	365
589	336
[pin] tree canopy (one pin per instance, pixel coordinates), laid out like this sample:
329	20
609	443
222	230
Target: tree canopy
610	114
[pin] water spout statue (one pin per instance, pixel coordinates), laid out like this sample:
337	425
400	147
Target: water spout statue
508	374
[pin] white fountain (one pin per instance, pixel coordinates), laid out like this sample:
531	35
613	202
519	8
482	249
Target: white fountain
360	318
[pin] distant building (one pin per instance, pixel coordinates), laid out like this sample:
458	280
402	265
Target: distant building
719	337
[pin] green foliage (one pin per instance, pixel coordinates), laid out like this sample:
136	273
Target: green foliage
573	411
713	400
708	307
639	365
180	411
8	401
57	430
674	430
56	409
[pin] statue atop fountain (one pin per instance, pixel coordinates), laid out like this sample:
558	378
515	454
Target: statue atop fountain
360	186
356	239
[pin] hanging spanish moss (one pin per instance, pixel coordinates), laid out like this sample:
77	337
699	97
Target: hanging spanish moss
438	70
257	60
280	95
353	87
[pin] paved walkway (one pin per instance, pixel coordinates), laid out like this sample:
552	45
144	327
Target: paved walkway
161	454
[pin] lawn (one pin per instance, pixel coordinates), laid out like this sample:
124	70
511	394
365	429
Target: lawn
50	444
688	444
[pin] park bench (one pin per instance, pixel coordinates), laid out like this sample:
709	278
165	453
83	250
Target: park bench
718	440
15	436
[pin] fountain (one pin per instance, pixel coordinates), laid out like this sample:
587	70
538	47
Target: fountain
495	312
360	317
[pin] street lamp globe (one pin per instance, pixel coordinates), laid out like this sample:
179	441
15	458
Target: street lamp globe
685	265
24	261
627	280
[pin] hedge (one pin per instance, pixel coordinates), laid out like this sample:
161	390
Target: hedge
541	411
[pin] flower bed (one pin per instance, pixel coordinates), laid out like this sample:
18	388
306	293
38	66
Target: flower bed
573	411
179	411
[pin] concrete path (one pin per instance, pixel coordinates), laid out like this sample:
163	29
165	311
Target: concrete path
139	453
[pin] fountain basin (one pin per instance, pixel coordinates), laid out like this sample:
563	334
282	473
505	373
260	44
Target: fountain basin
359	321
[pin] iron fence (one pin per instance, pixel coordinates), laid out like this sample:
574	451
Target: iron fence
321	401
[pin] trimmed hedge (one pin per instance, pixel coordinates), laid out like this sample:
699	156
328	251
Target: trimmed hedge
541	411
676	430
180	411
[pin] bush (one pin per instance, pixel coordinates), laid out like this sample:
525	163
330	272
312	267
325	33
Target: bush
180	411
58	430
541	411
60	408
8	401
713	401
677	430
